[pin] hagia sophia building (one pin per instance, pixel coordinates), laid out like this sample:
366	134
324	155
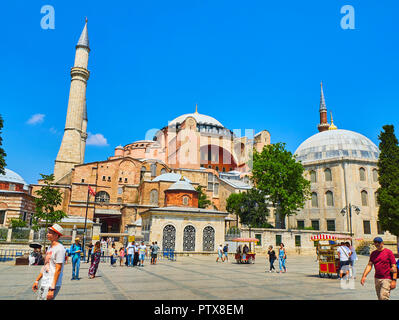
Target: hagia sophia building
152	183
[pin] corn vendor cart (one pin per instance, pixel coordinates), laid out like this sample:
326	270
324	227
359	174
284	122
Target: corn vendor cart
248	257
326	249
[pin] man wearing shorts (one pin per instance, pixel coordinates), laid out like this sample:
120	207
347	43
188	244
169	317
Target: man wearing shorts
220	253
50	275
142	253
226	252
385	270
344	259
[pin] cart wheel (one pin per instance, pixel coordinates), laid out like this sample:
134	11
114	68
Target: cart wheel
329	275
250	260
321	275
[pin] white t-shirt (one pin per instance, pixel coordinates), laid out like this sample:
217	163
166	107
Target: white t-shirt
220	250
130	249
142	249
344	253
54	255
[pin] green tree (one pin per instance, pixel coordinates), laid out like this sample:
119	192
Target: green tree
49	198
17	223
2	152
234	203
253	210
278	174
388	178
203	200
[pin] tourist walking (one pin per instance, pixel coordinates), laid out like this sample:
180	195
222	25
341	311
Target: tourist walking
385	270
344	254
352	260
130	253
282	256
226	252
95	260
75	251
220	253
136	254
50	275
154	253
121	255
111	253
272	258
89	249
142	253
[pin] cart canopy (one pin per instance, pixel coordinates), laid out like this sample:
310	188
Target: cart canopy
324	236
245	240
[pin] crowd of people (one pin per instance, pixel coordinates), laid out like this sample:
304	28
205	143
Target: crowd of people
133	254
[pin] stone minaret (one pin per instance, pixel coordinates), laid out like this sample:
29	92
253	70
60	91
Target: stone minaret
73	143
323	125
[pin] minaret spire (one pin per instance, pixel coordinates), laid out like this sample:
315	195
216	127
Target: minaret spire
323	125
196	108
73	143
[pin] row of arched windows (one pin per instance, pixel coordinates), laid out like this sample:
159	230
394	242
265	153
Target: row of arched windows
329	198
189	235
328	175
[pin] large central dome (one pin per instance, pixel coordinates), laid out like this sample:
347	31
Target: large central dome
335	144
200	118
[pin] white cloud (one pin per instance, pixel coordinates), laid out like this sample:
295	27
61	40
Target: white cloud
53	130
36	118
96	140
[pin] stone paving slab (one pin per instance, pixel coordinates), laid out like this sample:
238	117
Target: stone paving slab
193	278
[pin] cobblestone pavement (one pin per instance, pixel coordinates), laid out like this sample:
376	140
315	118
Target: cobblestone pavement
192	278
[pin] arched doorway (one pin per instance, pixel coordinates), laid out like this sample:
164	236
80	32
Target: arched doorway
189	238
208	240
169	237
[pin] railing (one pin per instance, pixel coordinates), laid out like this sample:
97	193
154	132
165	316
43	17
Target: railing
232	235
3	234
11	254
20	234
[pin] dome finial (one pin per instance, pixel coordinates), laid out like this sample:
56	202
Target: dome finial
332	126
196	108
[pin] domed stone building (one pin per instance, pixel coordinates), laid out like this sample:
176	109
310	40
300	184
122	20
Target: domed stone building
16	201
342	168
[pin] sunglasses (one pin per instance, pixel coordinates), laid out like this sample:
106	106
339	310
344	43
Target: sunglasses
377	242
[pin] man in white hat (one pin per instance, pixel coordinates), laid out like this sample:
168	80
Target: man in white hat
51	273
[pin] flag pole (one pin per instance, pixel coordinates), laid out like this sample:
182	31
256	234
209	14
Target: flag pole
84	235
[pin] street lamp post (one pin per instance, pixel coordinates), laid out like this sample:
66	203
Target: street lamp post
348	209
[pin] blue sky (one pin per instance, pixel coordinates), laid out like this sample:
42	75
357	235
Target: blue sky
250	64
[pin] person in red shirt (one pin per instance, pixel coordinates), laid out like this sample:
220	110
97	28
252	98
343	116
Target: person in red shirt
385	270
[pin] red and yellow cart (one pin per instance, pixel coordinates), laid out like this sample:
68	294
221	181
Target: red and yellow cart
248	257
327	256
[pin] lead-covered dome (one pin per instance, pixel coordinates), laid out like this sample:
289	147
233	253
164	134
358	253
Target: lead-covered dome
337	144
200	118
12	177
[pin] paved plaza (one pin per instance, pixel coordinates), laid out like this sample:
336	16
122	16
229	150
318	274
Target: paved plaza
193	278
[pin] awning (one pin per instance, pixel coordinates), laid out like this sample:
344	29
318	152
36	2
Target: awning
108	211
320	237
245	240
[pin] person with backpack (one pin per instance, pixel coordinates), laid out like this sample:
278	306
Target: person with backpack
344	254
75	252
272	258
226	252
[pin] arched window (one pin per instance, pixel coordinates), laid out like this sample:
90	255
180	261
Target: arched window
185	200
163	170
142	171
189	238
315	202
169	237
364	198
313	177
154	197
208	239
329	199
327	175
375	175
376	198
362	174
102	196
153	170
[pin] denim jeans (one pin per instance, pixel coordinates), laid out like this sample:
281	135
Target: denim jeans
130	260
75	266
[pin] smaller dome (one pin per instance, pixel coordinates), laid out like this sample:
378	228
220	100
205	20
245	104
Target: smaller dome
170	177
13	177
119	147
181	185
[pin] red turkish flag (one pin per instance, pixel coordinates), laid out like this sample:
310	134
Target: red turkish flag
92	192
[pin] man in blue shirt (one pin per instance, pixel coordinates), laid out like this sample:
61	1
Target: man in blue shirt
75	251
